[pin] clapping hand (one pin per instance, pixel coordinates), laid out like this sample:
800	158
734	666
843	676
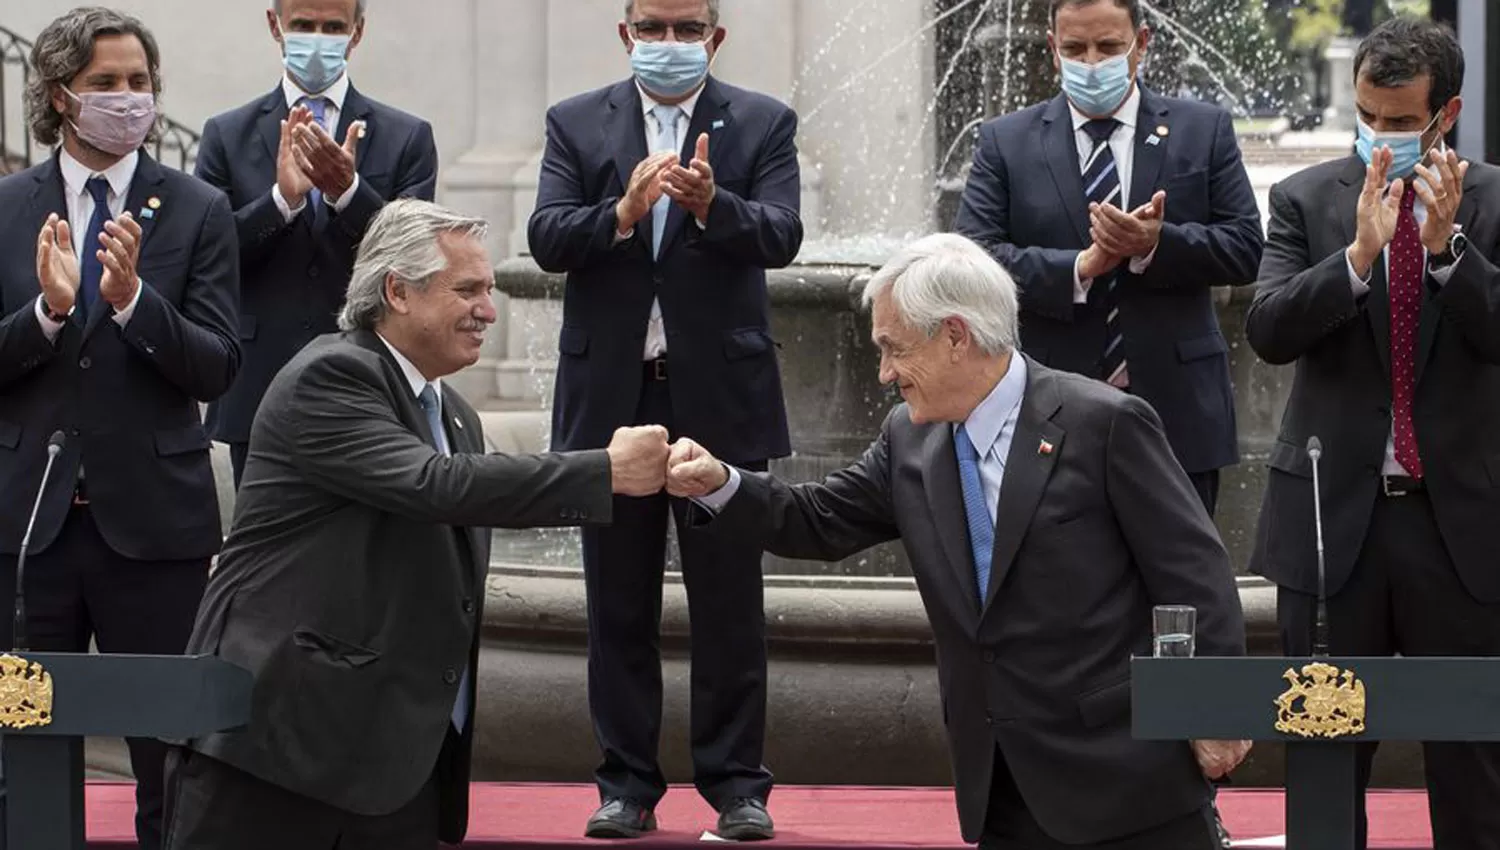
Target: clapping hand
1376	215
291	179
1440	190
120	250
57	265
692	187
329	165
644	190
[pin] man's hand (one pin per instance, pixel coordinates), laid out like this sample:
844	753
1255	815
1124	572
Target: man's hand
638	460
644	190
1123	234
1218	758
1440	190
56	265
328	164
692	472
692	187
1095	261
121	241
290	178
1377	213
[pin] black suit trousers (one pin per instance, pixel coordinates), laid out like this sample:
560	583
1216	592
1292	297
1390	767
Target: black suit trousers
80	590
623	565
1405	597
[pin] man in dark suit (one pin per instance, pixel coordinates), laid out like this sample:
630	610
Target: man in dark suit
352	583
118	287
1044	516
302	200
1118	209
1380	284
665	319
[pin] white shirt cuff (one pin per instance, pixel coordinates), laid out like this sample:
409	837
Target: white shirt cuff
714	502
122	317
1441	276
50	329
624	237
345	199
1138	265
1080	284
1359	285
281	204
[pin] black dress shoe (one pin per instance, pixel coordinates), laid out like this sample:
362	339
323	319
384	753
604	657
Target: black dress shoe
620	817
745	819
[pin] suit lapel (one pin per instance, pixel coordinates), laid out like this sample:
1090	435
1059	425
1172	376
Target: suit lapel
625	138
1149	155
272	111
712	109
1378	301
356	108
1027	468
1057	140
1431	311
145	184
945	504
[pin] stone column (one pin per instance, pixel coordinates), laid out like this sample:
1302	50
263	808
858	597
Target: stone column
1340	58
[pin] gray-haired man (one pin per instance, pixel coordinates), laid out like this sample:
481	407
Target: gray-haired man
351	583
1044	516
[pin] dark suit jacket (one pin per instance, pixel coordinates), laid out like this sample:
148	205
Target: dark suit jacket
127	398
1305	313
726	386
1025	203
294	275
352	583
1088	538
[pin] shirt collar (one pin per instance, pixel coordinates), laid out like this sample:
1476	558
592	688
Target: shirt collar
988	419
334	93
413	376
1128	113
687	106
76	175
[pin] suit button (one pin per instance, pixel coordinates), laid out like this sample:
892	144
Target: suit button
307	326
658	279
313	271
450	676
468	606
84	363
989	718
73	433
989	657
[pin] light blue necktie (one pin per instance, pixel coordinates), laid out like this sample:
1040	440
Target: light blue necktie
319	107
981	524
666	140
432	406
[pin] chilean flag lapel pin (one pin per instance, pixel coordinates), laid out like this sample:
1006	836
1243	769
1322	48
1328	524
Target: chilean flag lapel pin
1044	449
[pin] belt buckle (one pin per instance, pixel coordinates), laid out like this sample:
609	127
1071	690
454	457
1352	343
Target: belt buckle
659	369
1385	485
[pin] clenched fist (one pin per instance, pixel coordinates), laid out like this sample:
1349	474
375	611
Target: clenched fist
692	472
638	460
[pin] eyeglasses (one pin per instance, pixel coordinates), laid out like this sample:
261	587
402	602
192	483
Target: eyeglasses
690	32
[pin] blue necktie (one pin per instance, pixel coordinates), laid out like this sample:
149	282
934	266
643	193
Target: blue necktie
91	271
428	400
666	140
981	524
319	107
1101	185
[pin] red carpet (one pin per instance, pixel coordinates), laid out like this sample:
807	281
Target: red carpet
513	816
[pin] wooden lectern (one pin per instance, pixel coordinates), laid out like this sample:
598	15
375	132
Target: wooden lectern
49	701
1320	707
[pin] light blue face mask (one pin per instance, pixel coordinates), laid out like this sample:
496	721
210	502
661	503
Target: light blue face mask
315	61
1097	90
1406	147
669	68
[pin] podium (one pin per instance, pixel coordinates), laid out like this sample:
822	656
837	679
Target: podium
1321	708
49	701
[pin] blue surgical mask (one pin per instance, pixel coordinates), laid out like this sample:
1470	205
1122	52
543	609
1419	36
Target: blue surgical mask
315	61
1097	90
1406	148
669	68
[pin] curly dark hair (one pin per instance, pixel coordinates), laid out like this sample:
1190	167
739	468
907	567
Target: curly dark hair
1405	48
64	49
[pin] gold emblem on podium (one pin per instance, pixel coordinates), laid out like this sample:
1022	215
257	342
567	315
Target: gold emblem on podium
1322	702
25	693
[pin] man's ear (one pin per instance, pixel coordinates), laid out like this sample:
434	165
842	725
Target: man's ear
396	294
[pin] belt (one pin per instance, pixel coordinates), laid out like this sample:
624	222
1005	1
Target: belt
655	370
1400	485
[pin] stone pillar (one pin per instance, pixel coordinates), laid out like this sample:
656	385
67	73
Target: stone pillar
1339	56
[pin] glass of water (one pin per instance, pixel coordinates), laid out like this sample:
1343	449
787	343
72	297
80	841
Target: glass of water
1173	628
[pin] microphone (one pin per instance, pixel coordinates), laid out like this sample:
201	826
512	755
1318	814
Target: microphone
54	448
1320	631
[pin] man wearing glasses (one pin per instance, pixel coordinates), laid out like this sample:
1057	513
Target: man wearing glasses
665	223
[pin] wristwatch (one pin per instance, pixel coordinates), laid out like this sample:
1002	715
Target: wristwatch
1455	250
53	315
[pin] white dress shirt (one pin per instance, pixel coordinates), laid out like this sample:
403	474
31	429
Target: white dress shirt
418	383
1122	147
1361	287
335	95
76	176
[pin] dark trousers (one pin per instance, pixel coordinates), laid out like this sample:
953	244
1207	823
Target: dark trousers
80	589
218	807
622	568
1206	484
239	451
1404	597
1008	825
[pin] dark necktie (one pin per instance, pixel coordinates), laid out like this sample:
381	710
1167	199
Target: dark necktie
1101	185
91	271
1405	278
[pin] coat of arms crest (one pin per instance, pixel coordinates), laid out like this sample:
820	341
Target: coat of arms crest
25	693
1322	702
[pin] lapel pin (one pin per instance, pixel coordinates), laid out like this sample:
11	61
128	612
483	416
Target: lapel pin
1153	140
147	212
154	202
457	423
1044	449
718	123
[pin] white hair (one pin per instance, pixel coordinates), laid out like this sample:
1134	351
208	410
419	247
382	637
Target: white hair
402	240
945	276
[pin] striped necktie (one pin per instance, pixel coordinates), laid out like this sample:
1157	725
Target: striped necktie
1101	185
